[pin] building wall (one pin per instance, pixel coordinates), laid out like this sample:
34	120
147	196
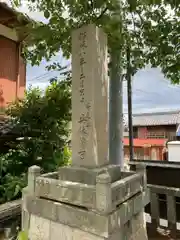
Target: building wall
22	78
12	72
159	129
138	153
142	132
145	153
168	131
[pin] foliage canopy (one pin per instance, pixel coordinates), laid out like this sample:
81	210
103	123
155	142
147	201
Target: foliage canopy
149	27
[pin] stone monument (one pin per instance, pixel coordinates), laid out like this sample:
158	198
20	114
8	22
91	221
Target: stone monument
90	200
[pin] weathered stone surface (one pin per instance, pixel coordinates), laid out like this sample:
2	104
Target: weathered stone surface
53	175
88	176
33	173
137	222
69	215
78	234
90	200
126	220
60	231
39	228
43	229
25	215
89	97
104	196
104	193
126	188
92	222
63	191
140	234
25	218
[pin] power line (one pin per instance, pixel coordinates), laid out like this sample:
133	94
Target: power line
41	76
42	81
150	92
159	101
163	95
175	88
47	74
50	71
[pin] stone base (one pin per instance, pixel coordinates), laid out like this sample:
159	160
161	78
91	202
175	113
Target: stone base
44	229
88	175
69	207
50	220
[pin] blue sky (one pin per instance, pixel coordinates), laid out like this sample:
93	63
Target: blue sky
151	91
39	76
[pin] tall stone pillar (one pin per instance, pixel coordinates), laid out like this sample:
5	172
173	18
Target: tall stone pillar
91	199
89	97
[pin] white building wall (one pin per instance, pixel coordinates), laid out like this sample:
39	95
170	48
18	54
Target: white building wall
174	151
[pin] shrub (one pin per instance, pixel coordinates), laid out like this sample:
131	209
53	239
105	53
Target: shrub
42	119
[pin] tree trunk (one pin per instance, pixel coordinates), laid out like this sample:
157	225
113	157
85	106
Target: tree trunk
116	152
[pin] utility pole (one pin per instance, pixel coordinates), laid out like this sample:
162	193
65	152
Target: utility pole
129	93
116	151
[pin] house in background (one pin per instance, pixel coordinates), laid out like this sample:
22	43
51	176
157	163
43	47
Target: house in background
159	125
12	65
145	149
151	132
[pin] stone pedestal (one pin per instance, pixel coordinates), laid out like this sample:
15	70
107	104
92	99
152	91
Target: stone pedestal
62	209
91	199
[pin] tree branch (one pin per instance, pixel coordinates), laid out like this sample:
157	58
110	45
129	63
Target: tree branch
102	13
134	25
92	4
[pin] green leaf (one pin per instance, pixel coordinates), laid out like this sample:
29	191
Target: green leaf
17	190
46	14
16	3
132	5
22	236
143	24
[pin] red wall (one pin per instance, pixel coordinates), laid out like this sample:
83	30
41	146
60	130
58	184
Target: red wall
142	132
22	78
160	131
12	72
145	152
